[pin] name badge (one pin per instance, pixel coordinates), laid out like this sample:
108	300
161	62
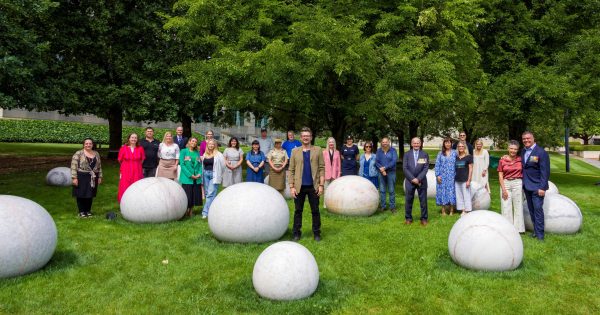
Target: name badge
534	159
421	161
187	158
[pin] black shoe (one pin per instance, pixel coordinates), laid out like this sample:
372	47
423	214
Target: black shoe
541	239
317	238
296	238
89	214
393	211
533	235
82	215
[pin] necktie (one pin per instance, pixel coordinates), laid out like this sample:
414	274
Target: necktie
416	154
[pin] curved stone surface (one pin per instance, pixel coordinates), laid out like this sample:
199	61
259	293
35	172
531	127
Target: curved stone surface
561	215
480	198
286	191
28	236
59	176
153	200
552	189
285	271
352	195
484	240
248	213
431	185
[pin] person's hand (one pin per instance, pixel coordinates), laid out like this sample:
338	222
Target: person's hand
75	182
99	180
439	179
505	157
483	173
320	191
415	181
541	193
504	194
384	173
293	192
382	169
468	184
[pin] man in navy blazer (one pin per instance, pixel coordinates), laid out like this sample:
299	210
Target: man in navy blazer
179	138
415	165
536	172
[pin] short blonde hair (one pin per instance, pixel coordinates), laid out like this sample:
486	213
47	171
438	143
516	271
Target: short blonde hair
165	136
334	143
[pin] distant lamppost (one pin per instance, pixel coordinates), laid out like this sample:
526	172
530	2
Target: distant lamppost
567	163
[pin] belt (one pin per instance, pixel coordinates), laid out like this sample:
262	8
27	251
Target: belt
512	178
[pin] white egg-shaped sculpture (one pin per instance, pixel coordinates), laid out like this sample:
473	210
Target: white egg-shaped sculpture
286	191
484	240
153	200
561	215
285	271
480	197
431	185
27	236
59	176
248	213
352	195
552	189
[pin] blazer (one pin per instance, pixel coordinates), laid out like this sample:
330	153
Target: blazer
190	165
317	167
332	171
181	143
420	170
373	171
536	170
218	167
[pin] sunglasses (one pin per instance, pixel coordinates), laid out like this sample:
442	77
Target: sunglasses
368	146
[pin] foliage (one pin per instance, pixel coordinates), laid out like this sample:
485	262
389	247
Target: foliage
47	131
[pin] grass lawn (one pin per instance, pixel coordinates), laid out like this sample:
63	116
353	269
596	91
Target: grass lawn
367	265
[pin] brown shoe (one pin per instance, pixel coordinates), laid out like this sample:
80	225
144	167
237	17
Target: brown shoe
408	222
423	222
393	211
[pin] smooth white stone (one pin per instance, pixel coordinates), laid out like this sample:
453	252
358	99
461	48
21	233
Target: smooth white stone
286	191
352	195
480	198
561	215
28	236
552	189
153	200
248	213
484	240
285	271
431	185
59	176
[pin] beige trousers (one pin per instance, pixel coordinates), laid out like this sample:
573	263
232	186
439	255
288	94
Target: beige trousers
512	207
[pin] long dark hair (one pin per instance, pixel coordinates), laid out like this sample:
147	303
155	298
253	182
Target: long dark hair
444	146
137	143
237	143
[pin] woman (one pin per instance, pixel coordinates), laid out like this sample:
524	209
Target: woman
131	157
481	162
367	168
213	164
86	173
190	177
333	167
350	154
510	173
255	160
234	156
277	159
462	179
209	135
168	153
444	172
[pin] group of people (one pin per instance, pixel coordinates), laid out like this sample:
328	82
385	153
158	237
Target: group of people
201	168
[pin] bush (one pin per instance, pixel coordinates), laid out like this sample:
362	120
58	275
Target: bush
581	147
50	131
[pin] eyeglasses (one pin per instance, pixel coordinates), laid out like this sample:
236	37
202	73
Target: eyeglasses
368	146
462	135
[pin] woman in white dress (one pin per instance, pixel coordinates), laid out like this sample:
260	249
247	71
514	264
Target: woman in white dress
234	156
481	162
168	153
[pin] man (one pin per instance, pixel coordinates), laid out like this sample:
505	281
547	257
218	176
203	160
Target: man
266	145
462	136
385	160
536	173
150	146
307	177
290	144
179	138
415	165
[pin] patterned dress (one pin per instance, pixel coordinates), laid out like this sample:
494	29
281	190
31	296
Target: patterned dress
444	167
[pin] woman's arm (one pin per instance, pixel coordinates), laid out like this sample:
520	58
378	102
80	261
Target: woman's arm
470	175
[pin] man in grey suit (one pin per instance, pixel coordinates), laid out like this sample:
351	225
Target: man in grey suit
415	165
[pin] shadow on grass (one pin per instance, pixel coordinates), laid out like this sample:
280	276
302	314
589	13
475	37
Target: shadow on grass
62	260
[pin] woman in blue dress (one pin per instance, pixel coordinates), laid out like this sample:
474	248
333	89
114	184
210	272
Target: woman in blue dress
255	160
444	172
350	155
367	168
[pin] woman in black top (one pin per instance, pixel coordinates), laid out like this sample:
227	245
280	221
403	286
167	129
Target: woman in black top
350	155
462	179
86	172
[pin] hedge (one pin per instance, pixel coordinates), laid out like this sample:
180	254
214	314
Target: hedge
50	131
581	147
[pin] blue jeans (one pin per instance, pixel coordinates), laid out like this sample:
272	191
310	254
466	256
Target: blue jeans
210	190
388	183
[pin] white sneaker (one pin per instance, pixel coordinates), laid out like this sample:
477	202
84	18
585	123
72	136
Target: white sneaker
204	217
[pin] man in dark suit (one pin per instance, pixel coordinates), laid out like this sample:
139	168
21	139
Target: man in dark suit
415	165
180	139
462	136
536	172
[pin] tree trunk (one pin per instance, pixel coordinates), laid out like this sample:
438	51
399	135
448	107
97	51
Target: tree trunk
186	124
115	131
413	129
516	127
400	135
586	139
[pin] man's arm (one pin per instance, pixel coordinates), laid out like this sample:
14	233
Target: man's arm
407	174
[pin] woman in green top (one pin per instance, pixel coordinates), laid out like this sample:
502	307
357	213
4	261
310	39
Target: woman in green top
191	174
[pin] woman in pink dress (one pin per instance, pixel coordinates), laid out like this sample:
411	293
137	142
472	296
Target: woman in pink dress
131	156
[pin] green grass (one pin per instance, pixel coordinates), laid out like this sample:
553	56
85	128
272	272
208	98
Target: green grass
367	265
